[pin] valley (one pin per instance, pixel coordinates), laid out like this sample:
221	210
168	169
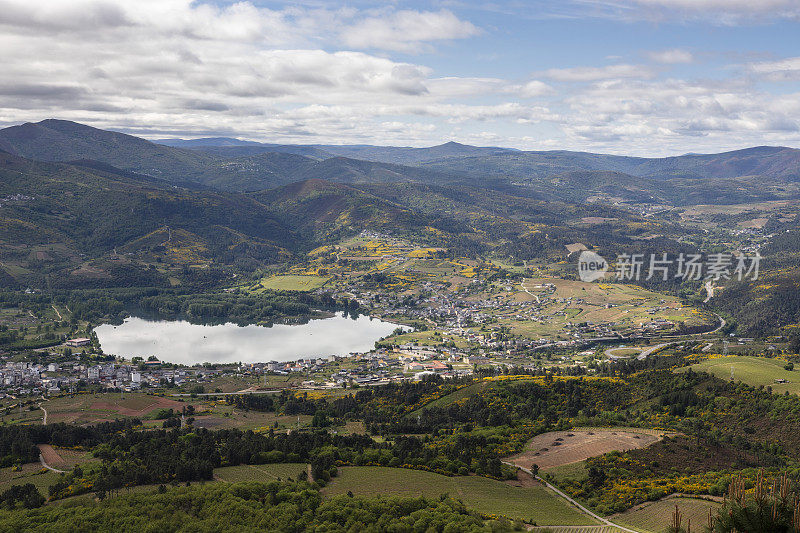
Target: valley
141	313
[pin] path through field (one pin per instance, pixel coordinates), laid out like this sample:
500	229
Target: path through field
578	505
48	457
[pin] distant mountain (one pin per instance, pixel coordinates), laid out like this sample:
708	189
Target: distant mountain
234	165
380	154
410	156
205	142
61	140
249	168
774	162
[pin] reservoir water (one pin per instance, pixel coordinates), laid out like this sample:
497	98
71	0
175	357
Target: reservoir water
179	341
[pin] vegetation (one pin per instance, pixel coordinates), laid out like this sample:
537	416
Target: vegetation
276	506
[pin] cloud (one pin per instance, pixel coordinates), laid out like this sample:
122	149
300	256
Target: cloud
406	31
787	69
584	74
718	12
316	74
534	88
671	56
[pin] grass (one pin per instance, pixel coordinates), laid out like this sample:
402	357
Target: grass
30	473
569	472
263	473
294	283
460	394
753	371
624	352
655	516
537	503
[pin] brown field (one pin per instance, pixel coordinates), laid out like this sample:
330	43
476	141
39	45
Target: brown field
51	456
99	407
558	448
148	404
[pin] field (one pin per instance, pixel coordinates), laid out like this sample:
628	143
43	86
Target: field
63	458
485	495
560	302
262	473
294	283
29	473
623	352
754	371
558	448
91	408
652	517
569	471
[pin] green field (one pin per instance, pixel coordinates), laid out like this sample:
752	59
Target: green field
624	352
294	283
656	516
537	503
262	473
30	473
460	394
572	471
754	371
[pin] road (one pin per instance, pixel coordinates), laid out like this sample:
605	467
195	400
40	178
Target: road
644	353
555	489
524	288
238	393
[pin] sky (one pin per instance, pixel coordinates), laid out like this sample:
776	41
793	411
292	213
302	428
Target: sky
634	77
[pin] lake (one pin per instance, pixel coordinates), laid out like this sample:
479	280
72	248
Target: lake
178	341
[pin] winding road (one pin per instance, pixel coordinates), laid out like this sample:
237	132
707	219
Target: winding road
555	489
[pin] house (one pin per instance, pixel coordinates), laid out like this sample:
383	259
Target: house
436	366
81	341
476	360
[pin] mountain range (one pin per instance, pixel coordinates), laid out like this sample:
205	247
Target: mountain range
230	164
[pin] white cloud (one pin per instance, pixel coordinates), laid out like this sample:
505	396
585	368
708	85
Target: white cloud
583	74
718	12
406	31
782	70
671	56
534	88
177	67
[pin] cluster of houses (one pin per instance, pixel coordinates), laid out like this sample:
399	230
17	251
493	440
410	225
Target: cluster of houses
25	378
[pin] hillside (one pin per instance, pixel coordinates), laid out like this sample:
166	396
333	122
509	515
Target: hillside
67	220
61	140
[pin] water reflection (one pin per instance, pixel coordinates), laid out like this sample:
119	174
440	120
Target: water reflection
181	342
